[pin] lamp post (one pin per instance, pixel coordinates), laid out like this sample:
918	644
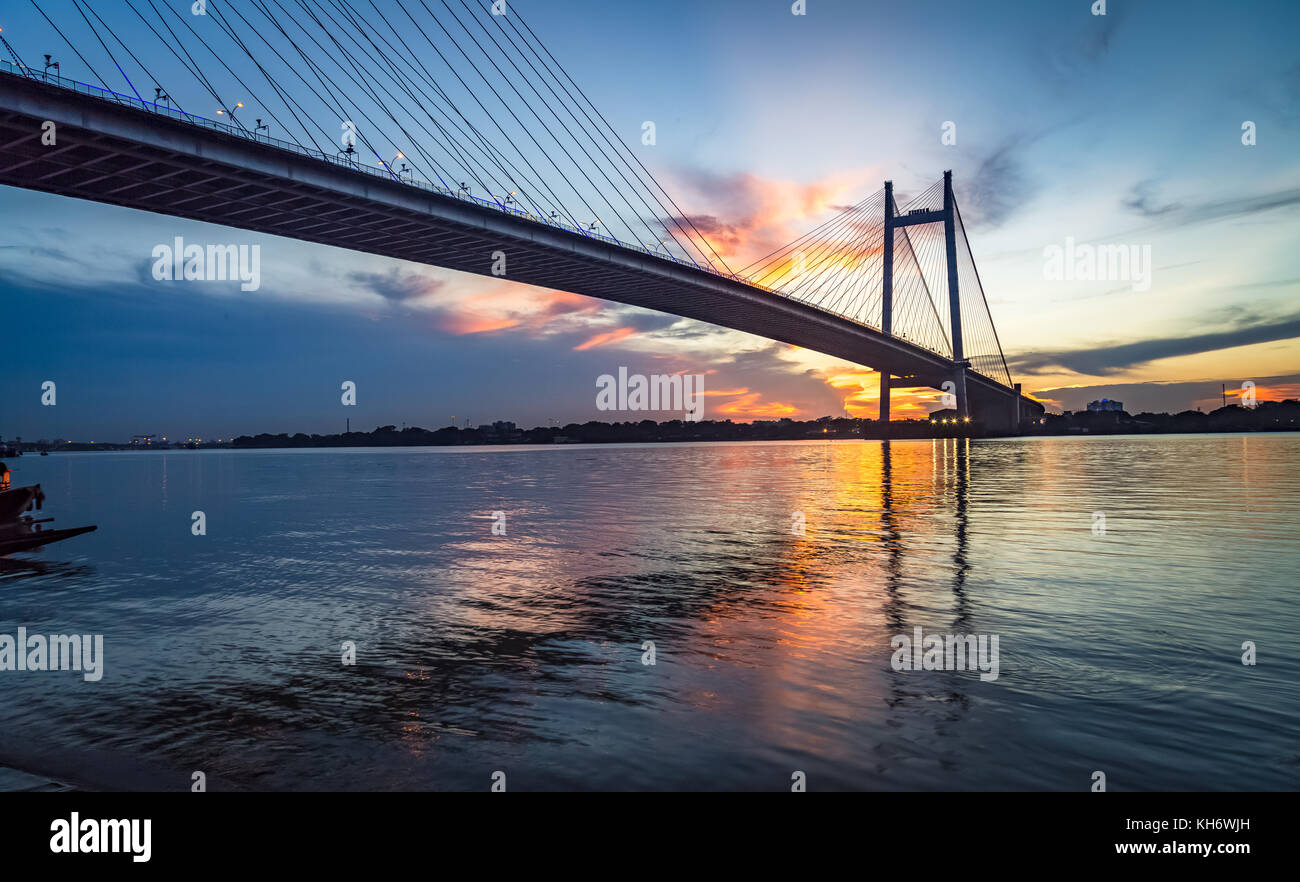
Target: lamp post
239	105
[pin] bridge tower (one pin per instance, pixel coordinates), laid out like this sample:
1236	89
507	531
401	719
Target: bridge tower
954	302
948	217
887	300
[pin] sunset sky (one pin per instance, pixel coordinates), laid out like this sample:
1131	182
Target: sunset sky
1116	129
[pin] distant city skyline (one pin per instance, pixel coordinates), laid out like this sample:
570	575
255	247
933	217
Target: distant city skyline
1070	130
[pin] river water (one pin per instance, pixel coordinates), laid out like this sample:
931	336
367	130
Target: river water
1121	577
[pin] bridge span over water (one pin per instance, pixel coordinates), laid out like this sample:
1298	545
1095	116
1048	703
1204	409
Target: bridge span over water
122	150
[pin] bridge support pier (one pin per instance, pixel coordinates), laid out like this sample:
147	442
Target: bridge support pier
884	401
962	404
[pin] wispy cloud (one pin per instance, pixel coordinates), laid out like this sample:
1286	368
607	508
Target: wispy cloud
1141	199
1001	182
1184	214
1105	360
751	215
398	285
605	339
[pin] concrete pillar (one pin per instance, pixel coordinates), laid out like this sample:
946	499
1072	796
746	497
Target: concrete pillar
954	301
884	401
887	264
887	299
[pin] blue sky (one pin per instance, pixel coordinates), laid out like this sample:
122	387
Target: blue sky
1123	128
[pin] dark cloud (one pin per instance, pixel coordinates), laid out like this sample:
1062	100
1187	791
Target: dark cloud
1189	213
397	285
40	251
1103	361
1001	181
1095	42
142	272
999	184
1141	199
1073	53
1243	206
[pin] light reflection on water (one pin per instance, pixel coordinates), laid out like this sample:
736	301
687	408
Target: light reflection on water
523	653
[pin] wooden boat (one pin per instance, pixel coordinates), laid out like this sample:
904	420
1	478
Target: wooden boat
26	534
21	532
18	500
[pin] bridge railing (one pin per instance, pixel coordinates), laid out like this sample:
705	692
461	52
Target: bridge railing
384	171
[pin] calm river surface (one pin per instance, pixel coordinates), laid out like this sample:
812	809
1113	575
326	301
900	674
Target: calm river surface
524	653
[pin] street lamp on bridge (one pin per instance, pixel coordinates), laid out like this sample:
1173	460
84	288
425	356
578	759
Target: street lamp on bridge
239	105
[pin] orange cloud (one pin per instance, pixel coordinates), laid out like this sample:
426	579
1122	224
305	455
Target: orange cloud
605	339
762	214
470	323
861	390
1279	392
508	305
748	407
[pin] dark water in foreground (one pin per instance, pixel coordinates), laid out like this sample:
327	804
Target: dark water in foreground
523	653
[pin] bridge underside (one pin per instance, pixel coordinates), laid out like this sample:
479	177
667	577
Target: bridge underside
127	156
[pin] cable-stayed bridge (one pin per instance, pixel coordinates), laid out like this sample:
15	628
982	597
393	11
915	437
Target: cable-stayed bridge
492	147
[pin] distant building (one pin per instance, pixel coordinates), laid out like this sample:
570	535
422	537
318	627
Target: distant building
1105	404
501	430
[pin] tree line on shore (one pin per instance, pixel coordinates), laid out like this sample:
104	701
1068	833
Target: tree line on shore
1267	416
